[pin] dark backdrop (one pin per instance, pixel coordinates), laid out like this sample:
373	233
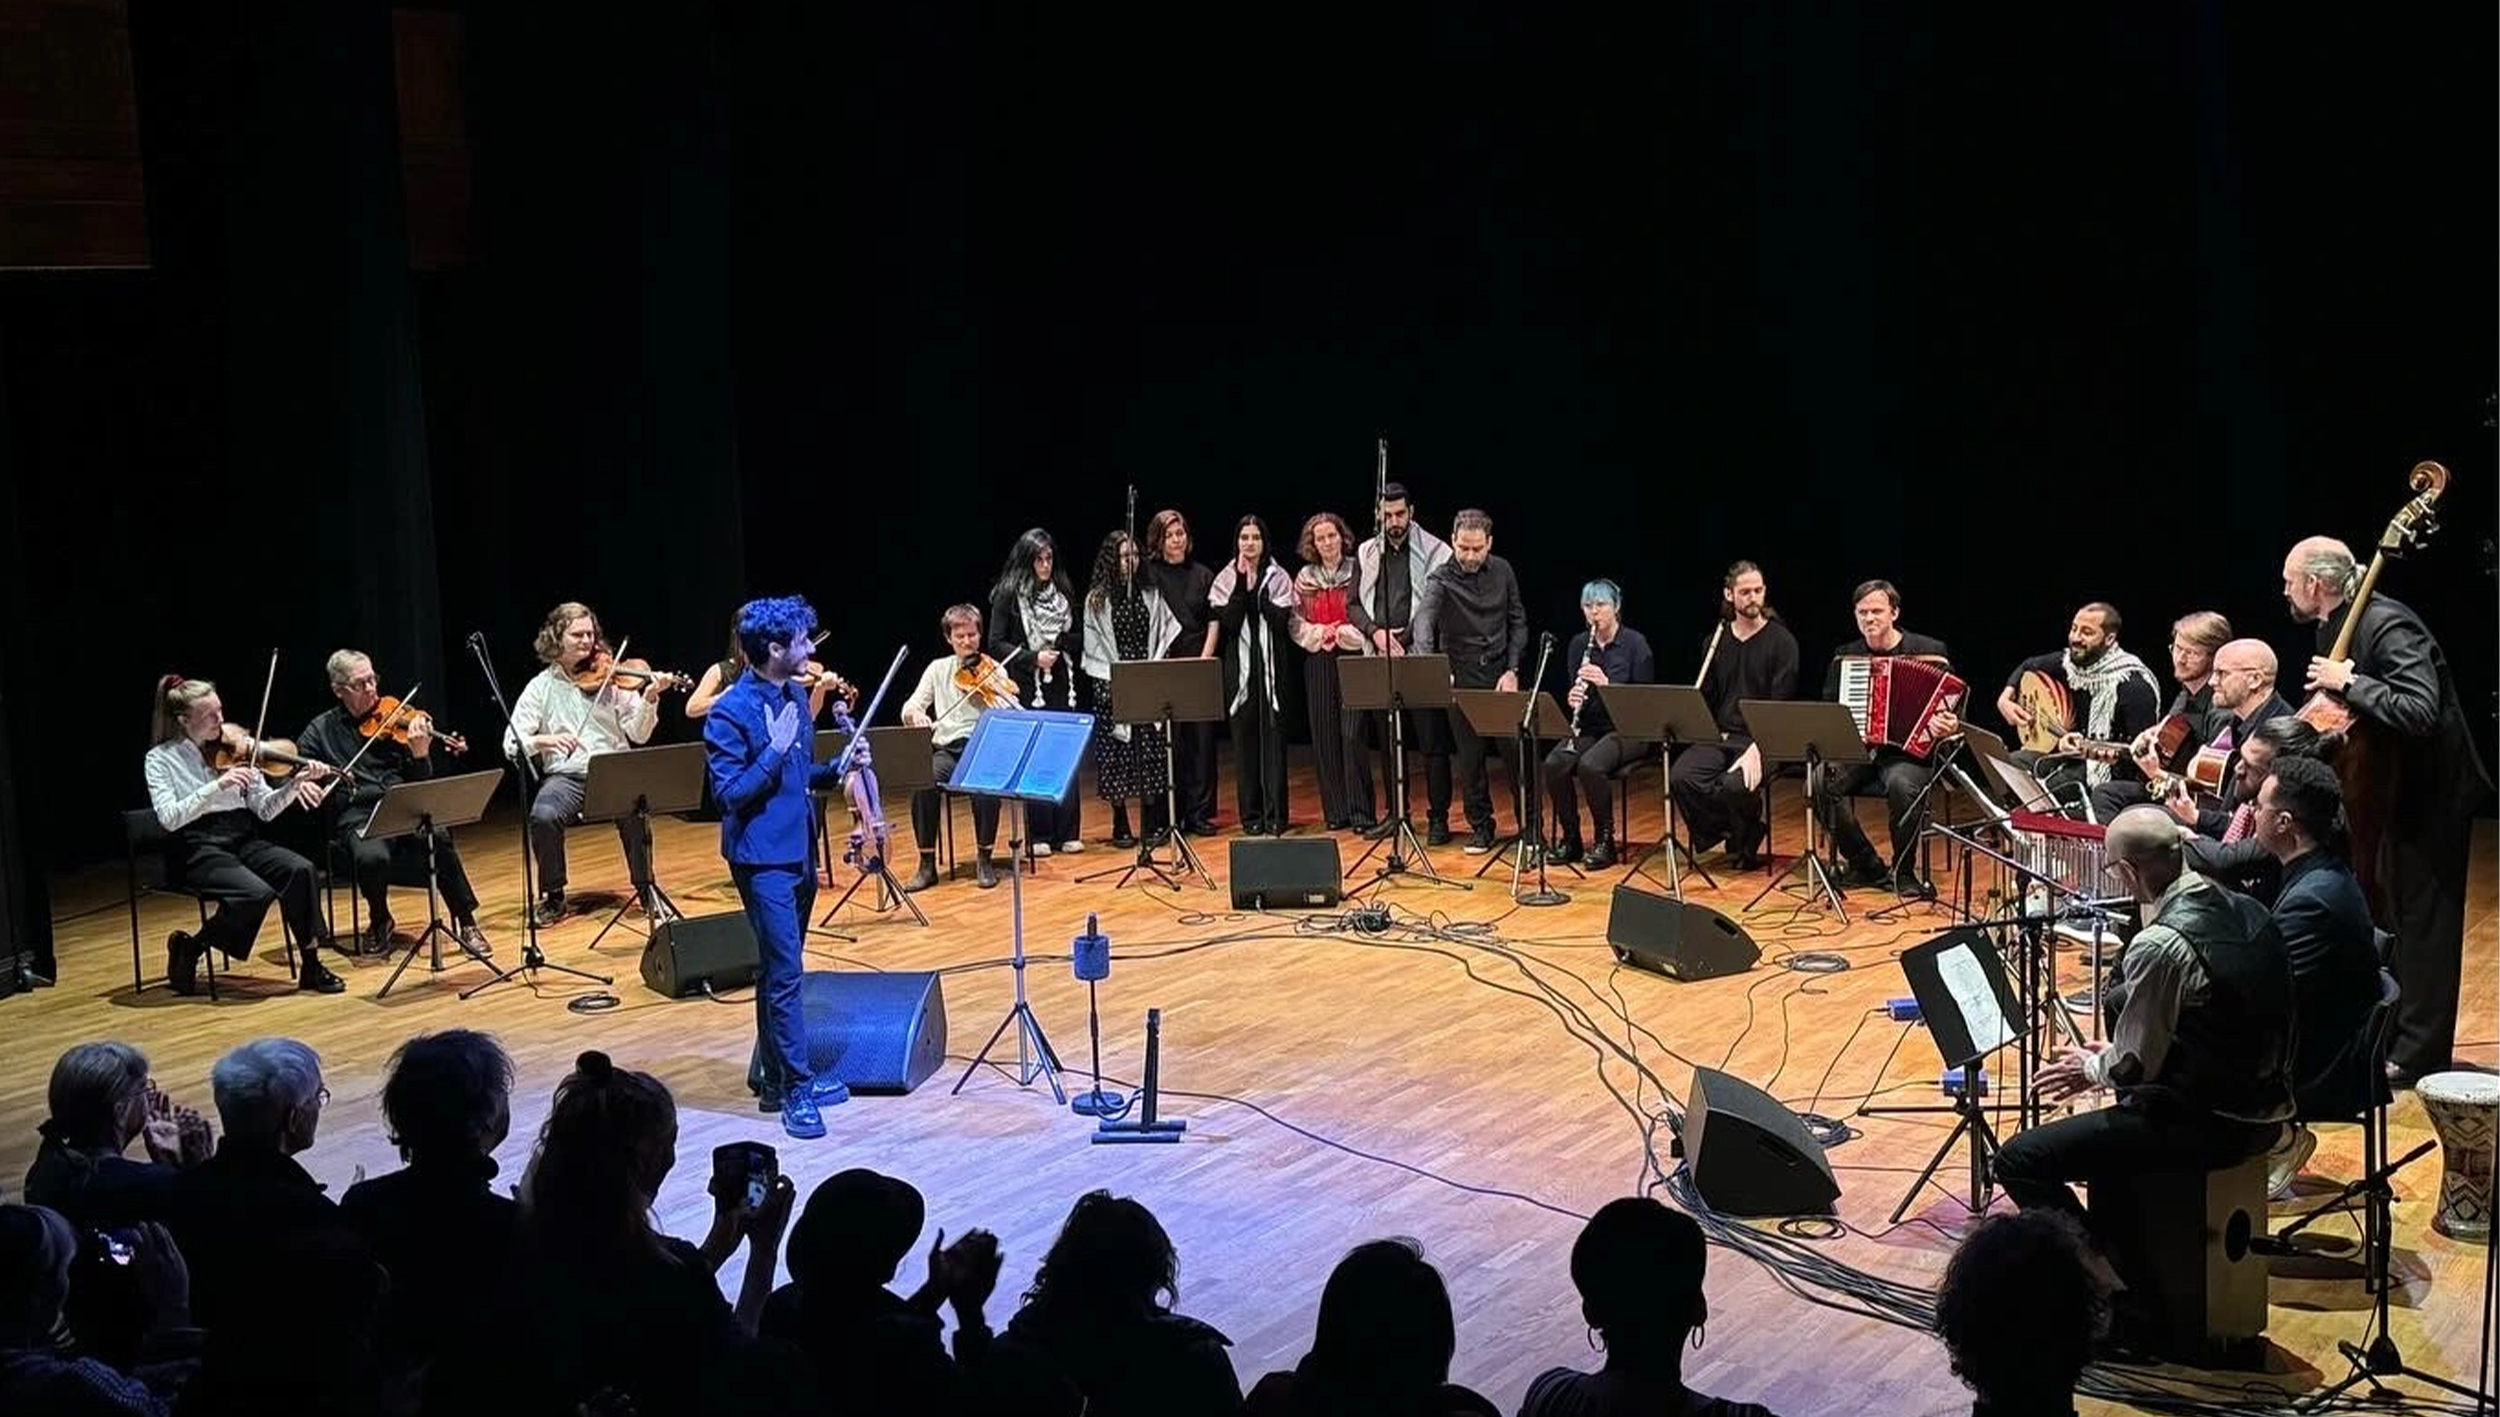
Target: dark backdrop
2016	309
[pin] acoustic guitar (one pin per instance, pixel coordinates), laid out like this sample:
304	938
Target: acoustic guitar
2368	764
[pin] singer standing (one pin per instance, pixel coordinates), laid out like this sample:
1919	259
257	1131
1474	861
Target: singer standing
1033	630
762	764
1253	601
1470	610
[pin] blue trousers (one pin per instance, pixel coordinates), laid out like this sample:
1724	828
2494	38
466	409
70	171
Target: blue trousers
778	901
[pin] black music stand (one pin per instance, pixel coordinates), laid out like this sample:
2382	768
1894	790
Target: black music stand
426	809
642	783
1021	756
1819	734
1165	691
1673	716
907	749
1395	683
1969	1008
1494	713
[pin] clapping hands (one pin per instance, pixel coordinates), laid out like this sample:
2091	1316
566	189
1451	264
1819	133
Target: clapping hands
174	1135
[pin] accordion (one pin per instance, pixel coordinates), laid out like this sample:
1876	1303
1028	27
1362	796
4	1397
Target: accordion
1895	699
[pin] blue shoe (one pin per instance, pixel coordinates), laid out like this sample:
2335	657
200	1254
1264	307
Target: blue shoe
800	1118
829	1092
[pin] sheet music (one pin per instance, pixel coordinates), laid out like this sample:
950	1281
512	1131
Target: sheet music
1968	980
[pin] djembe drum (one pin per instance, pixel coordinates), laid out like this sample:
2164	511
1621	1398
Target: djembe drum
2462	1108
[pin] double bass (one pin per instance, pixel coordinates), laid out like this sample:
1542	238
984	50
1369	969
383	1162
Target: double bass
2368	764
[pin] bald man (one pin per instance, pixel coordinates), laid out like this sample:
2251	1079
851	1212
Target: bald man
2200	1054
2412	857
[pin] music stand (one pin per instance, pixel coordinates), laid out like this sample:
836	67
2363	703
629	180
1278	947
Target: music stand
1969	1008
426	809
1494	714
907	750
1819	734
1672	715
1165	691
1021	756
642	783
1393	684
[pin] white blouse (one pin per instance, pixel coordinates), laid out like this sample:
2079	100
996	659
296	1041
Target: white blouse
184	788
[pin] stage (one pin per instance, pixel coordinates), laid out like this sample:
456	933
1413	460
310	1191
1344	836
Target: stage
1478	1076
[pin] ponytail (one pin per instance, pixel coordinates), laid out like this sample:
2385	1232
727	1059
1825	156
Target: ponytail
174	697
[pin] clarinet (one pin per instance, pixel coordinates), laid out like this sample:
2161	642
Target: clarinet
1572	748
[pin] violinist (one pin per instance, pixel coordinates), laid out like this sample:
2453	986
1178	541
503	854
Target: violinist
955	690
561	724
761	765
719	676
210	796
1033	629
389	743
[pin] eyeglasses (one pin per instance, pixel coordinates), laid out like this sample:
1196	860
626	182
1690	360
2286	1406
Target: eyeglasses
323	1096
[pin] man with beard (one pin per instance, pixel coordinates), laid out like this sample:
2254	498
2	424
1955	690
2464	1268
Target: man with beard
2110	693
2194	640
2397	684
1390	571
1717	787
1470	610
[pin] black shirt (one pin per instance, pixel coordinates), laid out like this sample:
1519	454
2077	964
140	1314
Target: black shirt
1397	584
443	1233
1763	667
1476	618
1184	590
1857	648
97	1192
332	738
2139	705
1626	661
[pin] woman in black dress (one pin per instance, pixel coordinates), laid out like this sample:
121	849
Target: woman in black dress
1253	601
1125	619
1033	618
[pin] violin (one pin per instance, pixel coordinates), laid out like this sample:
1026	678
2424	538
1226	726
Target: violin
603	668
391	718
233	747
983	678
810	678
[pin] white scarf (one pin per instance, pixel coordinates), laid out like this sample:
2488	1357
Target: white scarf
2099	682
1276	588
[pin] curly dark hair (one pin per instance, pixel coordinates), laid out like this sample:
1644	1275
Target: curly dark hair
1106	578
1112	1257
449	1094
2020	1308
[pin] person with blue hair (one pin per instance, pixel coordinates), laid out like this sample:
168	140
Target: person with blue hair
762	765
1607	652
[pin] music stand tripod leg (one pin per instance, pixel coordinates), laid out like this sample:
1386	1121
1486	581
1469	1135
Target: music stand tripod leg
1034	1055
1818	880
1983	1147
1400	838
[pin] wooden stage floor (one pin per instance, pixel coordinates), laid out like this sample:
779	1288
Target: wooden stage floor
1337	1087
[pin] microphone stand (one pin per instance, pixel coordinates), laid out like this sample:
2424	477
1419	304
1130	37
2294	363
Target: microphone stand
1529	777
1397	833
532	958
1918	805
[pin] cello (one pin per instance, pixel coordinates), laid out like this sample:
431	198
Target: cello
2368	764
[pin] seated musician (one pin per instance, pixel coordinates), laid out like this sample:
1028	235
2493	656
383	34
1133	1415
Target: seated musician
1877	605
383	761
1607	652
2219	834
1718	786
2200	1056
951	698
2110	698
2324	920
217	850
561	726
2194	640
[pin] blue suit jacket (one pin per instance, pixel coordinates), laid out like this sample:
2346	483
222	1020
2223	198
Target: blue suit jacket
764	816
2325	923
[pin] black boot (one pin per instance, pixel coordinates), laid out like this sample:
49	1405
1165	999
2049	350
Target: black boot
311	973
985	872
926	876
1602	855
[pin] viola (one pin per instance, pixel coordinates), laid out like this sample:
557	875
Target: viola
983	678
603	669
866	849
233	747
391	718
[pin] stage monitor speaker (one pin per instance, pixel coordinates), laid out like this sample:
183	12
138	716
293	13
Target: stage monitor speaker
685	954
1286	873
1676	938
1750	1155
875	1032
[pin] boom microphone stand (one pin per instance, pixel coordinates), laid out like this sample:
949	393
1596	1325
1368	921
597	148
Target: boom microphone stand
532	958
1399	833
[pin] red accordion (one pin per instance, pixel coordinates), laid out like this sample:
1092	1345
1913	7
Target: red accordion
1896	698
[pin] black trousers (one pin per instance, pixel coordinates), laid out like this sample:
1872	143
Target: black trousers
1427	732
556	807
2422	870
1903	778
2115	796
1259	765
1711	797
1474	786
1193	771
928	802
400	861
1588	773
1345	769
2036	1166
224	858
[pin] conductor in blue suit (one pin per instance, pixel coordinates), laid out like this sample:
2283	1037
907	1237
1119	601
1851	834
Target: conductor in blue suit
762	762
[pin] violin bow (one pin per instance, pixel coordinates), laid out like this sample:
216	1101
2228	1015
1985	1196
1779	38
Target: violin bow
859	735
262	721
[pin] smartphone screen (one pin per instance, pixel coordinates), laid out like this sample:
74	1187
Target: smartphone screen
759	1185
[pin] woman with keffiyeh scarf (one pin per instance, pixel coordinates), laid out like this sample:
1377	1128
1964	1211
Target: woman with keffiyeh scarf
1253	601
1033	616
